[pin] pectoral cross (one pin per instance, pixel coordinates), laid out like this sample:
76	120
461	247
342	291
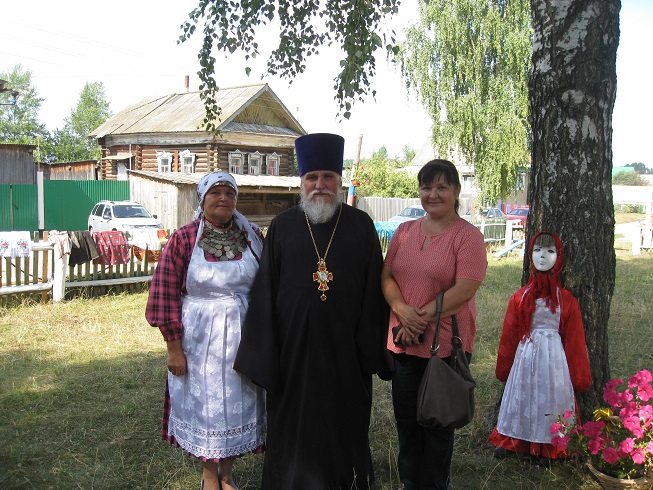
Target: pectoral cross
322	276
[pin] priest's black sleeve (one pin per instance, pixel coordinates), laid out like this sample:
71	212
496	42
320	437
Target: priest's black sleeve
258	353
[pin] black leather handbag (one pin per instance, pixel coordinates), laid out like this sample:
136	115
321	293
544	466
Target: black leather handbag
446	394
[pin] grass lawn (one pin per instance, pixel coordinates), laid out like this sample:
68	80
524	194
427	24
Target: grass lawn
81	394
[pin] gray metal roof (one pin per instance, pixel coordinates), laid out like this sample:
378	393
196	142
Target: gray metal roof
252	108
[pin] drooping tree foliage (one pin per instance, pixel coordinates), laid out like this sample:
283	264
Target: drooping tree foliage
304	27
469	61
72	141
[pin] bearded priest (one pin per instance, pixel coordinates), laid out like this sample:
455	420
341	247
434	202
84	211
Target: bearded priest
315	332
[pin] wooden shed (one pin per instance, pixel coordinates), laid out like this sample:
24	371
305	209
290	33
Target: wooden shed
166	135
17	164
173	196
83	170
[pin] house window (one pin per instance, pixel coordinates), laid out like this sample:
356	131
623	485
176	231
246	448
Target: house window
164	159
254	160
236	162
187	162
272	167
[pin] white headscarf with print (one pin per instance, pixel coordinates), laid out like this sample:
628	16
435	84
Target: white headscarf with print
223	178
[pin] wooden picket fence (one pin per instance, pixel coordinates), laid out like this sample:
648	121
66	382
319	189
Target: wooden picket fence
45	276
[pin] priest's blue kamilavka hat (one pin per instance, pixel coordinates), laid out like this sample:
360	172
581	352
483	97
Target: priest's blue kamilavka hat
320	151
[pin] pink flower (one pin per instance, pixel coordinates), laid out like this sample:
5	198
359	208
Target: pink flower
639	456
645	392
610	394
560	442
593	429
641	378
613	383
610	455
632	423
626	396
624	441
630	409
646	414
626	446
595	446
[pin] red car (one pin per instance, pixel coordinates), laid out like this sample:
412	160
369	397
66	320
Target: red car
520	214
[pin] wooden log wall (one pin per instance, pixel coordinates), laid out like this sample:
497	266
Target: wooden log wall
203	155
208	158
285	157
109	168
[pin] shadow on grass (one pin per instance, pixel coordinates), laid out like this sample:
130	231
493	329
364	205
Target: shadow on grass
69	424
92	425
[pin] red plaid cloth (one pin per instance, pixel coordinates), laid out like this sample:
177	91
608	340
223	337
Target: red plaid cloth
112	247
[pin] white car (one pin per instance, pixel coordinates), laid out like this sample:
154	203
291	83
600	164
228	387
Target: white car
410	213
125	216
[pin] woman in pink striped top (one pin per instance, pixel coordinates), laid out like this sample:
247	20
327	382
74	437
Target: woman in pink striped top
440	252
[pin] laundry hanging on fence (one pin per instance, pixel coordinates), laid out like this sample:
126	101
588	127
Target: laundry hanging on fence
83	247
151	240
112	247
61	241
15	244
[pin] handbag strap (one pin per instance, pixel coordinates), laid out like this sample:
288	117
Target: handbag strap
456	341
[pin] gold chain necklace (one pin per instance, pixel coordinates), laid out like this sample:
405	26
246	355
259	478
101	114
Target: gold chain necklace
322	276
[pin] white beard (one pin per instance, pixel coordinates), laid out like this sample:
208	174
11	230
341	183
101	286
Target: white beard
320	211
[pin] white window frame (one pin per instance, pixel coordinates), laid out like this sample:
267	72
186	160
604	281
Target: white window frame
186	162
273	162
161	157
254	163
236	159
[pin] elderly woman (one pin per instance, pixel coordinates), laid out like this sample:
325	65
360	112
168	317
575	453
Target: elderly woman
198	299
439	252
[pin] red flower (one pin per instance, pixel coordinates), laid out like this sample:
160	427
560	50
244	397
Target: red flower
610	455
593	429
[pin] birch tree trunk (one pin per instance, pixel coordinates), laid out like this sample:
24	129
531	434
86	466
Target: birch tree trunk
572	93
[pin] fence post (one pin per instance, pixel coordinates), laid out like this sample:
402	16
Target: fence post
637	240
508	232
59	267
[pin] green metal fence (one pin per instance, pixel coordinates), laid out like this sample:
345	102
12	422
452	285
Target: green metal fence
18	207
67	203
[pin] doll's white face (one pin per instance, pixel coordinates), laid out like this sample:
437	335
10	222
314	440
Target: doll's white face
544	258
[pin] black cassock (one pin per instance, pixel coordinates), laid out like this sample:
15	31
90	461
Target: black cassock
316	358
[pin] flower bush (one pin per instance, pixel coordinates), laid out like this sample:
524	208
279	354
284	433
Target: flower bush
618	442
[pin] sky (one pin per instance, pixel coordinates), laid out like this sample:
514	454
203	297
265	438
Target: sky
131	47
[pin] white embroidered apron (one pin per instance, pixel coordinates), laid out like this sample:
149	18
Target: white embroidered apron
214	411
539	385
